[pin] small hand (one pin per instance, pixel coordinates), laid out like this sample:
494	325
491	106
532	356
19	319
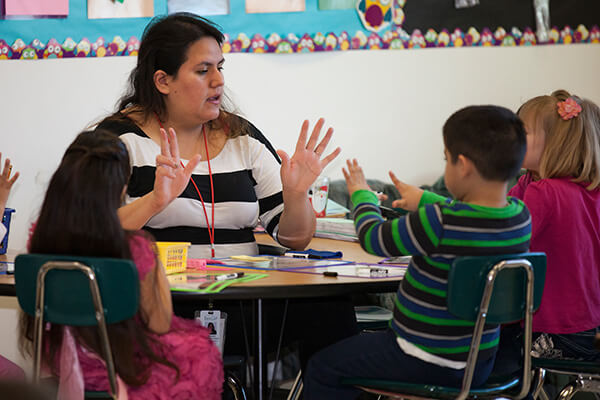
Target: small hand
355	178
300	171
171	177
411	195
6	182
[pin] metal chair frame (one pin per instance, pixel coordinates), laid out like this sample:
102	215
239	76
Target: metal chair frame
526	378
99	313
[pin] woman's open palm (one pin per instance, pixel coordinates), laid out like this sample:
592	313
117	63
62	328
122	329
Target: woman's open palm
300	171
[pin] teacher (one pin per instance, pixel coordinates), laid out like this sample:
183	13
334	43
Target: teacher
221	177
204	175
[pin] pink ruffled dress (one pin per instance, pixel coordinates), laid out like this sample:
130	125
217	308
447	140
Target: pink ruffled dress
187	345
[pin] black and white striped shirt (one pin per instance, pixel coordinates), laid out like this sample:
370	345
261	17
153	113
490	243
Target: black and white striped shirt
247	191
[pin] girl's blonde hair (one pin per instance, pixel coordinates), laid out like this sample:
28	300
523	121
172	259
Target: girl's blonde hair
572	147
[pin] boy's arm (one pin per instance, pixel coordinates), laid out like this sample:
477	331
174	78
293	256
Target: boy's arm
417	233
432	198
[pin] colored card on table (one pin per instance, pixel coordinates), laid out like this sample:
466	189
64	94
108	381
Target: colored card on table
336	4
36	7
200	7
116	9
268	6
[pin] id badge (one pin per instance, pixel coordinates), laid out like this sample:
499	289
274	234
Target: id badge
215	322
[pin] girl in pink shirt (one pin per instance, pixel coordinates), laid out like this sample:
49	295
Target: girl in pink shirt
157	355
561	190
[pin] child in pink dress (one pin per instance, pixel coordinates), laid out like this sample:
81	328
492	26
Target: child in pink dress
157	355
562	191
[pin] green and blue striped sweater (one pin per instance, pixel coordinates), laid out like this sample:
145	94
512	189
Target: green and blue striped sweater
439	231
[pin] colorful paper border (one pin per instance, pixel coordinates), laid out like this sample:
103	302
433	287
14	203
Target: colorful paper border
394	39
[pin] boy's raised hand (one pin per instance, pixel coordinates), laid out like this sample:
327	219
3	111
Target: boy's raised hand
411	195
355	178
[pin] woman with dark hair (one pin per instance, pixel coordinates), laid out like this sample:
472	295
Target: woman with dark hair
156	354
177	86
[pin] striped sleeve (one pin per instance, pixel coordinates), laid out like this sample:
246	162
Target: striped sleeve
416	233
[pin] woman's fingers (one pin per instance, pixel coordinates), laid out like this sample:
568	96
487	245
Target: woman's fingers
314	137
301	143
323	144
325	161
164	143
166	161
191	165
173	145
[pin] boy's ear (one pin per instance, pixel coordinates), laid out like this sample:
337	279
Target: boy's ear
161	81
465	166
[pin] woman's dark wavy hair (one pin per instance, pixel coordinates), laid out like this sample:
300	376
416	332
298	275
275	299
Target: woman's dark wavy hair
164	46
79	217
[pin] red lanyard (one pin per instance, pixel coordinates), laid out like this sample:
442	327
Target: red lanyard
211	230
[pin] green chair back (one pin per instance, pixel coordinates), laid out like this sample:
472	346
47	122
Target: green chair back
466	282
500	285
68	300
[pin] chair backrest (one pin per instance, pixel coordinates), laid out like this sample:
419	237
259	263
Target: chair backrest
68	300
494	290
467	279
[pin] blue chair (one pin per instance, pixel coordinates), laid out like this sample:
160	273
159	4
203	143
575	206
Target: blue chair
483	289
77	291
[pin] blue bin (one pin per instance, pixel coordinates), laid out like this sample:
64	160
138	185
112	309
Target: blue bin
6	221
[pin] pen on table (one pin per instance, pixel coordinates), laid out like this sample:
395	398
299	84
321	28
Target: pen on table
302	255
227	277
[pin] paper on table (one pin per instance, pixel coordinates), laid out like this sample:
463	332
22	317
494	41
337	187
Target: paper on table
267	6
336	228
36	7
334	208
200	7
114	9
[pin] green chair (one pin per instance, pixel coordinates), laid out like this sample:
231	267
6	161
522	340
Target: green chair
77	291
484	289
584	376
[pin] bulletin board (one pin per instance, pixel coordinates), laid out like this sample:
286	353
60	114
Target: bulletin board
40	29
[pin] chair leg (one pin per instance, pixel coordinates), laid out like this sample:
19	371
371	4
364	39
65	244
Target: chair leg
296	389
236	387
543	395
537	384
569	390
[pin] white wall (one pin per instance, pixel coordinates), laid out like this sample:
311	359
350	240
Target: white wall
387	107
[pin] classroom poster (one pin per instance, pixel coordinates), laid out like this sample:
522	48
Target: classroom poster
36	7
200	7
336	4
269	6
116	9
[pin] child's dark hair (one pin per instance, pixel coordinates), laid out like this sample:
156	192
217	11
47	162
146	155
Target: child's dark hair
492	137
79	217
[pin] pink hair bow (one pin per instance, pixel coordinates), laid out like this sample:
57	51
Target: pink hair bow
568	109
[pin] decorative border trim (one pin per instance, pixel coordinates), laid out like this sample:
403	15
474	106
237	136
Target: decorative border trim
394	39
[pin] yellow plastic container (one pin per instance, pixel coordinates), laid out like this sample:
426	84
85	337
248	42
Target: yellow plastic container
173	255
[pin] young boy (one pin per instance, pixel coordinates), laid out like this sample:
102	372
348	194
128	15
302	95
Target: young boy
484	149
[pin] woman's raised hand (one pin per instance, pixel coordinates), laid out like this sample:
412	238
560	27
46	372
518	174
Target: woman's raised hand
300	171
411	195
171	177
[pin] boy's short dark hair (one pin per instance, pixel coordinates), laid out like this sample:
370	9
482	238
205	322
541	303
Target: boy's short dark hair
492	137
